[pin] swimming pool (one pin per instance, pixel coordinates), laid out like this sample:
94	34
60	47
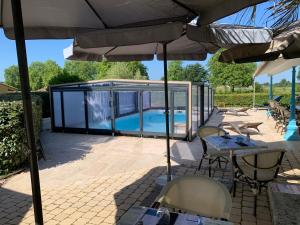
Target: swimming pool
153	121
114	107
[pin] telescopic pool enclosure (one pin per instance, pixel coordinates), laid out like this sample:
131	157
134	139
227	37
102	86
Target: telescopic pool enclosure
130	107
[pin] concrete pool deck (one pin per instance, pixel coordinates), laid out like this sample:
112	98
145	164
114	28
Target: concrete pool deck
94	179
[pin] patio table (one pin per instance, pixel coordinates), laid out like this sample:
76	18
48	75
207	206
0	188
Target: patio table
232	144
148	216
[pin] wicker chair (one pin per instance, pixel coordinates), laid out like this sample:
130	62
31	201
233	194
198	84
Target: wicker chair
256	168
209	153
197	195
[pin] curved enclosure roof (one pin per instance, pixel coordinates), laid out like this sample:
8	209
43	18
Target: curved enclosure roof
65	18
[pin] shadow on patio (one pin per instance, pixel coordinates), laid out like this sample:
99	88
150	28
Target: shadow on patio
61	148
14	206
143	191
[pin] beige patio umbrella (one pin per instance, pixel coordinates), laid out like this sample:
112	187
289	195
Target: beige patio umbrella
63	19
57	19
185	42
286	44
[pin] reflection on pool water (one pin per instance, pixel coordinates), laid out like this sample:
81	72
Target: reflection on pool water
153	121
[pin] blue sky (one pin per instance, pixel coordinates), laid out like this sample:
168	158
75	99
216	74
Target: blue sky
41	50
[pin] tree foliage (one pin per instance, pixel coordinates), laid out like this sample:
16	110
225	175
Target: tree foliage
64	78
84	70
196	73
123	70
232	75
41	74
193	72
11	76
128	70
258	87
283	83
13	142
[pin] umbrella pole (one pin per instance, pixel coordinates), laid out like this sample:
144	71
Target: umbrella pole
253	94
292	130
167	111
27	106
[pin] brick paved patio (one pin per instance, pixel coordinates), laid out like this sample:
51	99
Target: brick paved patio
91	179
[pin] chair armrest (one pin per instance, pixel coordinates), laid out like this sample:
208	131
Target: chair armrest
254	151
155	205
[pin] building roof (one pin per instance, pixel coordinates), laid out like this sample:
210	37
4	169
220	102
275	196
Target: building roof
8	86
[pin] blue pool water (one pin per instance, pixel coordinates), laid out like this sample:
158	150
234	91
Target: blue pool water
153	121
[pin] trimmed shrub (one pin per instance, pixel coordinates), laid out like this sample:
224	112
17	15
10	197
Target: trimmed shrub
44	96
246	99
13	141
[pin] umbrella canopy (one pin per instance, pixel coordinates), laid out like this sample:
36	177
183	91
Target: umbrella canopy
185	42
277	66
286	44
179	49
63	19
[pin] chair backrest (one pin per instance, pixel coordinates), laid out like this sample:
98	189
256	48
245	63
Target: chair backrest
264	166
197	195
286	115
208	131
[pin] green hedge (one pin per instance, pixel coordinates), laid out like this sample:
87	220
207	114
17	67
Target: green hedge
246	99
42	95
13	140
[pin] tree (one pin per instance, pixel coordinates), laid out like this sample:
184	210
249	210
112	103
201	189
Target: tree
258	87
123	70
84	70
64	78
175	70
232	75
284	83
138	69
51	69
195	73
36	73
104	66
41	72
11	76
298	75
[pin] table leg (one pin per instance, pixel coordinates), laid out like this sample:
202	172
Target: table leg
232	156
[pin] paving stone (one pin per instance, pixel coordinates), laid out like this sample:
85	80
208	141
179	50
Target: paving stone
81	221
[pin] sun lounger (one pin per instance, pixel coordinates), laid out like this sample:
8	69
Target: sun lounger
241	127
236	112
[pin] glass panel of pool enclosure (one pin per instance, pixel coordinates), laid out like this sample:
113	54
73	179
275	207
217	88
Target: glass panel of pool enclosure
130	107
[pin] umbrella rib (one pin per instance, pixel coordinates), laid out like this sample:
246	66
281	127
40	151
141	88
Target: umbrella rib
184	6
110	50
96	13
